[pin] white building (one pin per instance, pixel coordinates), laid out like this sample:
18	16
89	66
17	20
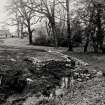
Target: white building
5	34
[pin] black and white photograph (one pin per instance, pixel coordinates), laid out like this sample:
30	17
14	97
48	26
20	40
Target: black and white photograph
52	52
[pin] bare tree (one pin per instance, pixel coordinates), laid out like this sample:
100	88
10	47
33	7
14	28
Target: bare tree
92	14
67	8
26	16
47	10
68	25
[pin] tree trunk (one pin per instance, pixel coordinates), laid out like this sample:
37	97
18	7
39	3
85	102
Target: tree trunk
48	29
53	26
68	84
21	30
55	35
95	48
30	34
95	45
68	27
86	44
18	29
100	36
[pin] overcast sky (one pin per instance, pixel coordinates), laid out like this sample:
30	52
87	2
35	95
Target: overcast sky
3	11
4	14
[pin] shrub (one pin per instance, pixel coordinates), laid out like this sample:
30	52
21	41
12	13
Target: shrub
62	42
77	40
41	41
